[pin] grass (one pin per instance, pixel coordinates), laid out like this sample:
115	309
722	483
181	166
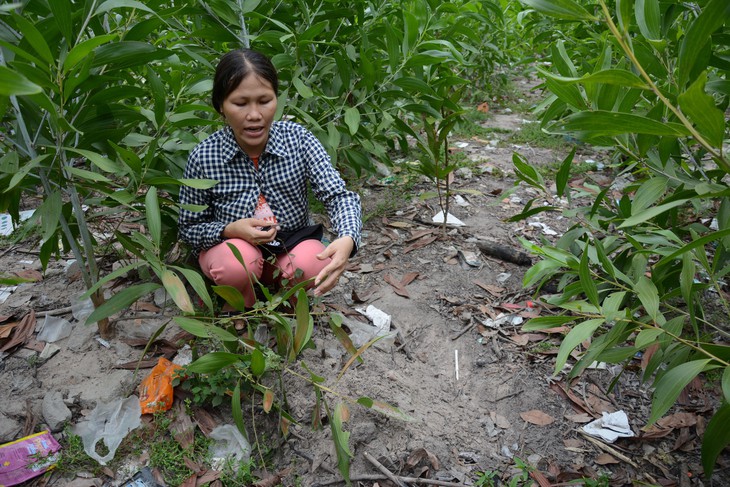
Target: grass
531	134
165	454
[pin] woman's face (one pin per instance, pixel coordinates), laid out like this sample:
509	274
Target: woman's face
249	111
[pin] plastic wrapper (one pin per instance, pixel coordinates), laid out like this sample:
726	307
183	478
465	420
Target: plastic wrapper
155	391
27	457
109	423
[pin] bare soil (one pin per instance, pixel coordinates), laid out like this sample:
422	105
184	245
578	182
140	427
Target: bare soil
501	405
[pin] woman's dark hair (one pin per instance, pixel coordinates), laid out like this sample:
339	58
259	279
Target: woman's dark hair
234	66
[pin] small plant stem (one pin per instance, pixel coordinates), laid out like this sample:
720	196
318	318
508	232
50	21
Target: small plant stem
630	53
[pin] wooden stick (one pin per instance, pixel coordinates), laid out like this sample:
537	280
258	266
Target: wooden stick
463	330
385	471
608	449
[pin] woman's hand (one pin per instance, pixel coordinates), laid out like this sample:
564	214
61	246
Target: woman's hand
253	230
339	251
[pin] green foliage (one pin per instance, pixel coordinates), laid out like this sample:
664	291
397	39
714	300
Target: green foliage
645	262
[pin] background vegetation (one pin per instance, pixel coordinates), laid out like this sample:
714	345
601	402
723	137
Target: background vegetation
101	101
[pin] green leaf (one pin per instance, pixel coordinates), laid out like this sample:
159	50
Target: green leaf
198	284
198	183
258	363
127	54
237	410
700	108
561	9
352	119
648	18
103	163
413	86
648	193
545	322
576	336
50	214
115	4
35	40
121	300
726	384
714	14
647	337
213	362
341	439
305	323
586	279
716	438
175	287
152	213
601	123
671	384
231	295
651	213
303	90
687	277
619	77
526	172
13	83
649	296
563	175
87	175
61	10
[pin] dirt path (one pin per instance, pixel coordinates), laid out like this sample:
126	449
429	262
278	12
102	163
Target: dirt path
462	307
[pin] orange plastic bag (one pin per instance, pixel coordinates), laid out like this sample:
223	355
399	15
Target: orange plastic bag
155	391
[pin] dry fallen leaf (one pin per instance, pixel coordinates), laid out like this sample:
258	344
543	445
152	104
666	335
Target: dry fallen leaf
579	418
605	459
30	274
483	107
537	417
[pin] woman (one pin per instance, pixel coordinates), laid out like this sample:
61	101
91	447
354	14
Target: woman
259	204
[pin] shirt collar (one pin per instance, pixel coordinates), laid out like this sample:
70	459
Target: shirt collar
275	145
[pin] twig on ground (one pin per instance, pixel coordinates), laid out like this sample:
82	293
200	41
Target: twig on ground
463	330
609	449
403	344
384	470
309	458
501	398
54	312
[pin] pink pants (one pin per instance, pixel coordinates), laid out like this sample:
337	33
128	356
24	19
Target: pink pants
223	268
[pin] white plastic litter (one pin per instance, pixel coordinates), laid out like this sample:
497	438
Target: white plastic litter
54	329
229	442
459	200
6	221
361	333
450	219
545	228
82	309
610	427
5	292
109	423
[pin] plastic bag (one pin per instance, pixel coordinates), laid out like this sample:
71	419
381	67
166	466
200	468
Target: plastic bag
228	442
155	391
110	423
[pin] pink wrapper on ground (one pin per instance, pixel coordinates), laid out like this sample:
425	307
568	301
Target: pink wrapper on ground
27	457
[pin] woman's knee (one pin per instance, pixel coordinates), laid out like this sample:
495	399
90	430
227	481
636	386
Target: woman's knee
221	265
303	257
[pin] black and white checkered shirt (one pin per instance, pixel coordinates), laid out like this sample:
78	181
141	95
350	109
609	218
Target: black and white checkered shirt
292	158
